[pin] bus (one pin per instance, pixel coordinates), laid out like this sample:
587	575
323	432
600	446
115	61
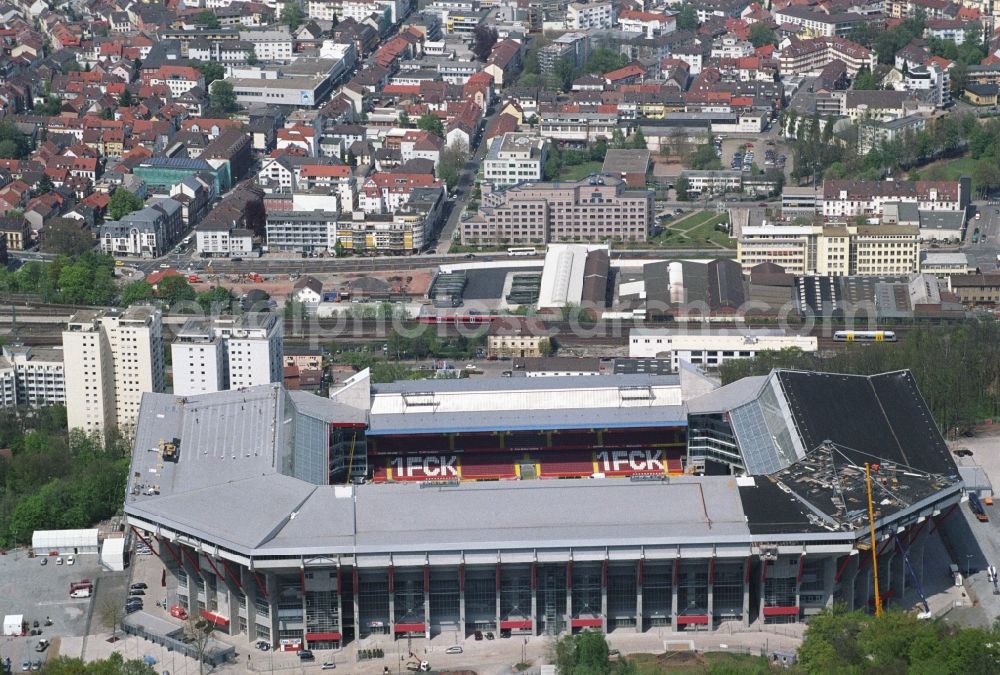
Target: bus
526	250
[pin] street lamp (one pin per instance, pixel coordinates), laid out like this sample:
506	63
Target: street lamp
968	568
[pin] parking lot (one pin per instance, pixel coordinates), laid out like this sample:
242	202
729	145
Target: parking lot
42	591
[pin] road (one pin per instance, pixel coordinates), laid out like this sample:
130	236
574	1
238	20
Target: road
983	254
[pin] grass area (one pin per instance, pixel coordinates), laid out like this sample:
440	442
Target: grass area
695	230
948	169
693	663
578	171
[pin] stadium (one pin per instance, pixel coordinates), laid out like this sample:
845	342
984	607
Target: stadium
536	505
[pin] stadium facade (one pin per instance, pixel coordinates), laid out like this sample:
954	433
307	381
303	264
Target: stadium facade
536	505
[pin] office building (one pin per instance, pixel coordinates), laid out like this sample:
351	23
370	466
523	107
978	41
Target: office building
712	349
117	356
834	250
228	352
515	158
592	209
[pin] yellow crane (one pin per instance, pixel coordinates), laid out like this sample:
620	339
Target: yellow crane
871	524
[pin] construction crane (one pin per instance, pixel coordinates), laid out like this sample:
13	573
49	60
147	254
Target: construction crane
871	524
926	614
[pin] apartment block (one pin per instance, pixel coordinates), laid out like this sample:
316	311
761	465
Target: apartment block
149	232
596	14
847	198
591	209
832	250
31	376
811	56
572	46
227	352
515	158
117	356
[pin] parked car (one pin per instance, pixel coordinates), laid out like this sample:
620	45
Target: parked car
45	561
42	645
140	584
454	649
328	665
262	645
70	560
478	635
306	655
59	560
136	592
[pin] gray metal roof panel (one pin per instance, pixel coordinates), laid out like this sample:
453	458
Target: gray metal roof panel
520	420
517	384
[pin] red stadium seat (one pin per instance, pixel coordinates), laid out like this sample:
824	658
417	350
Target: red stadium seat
566	464
488	467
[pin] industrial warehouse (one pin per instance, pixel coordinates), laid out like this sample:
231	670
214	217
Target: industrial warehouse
537	505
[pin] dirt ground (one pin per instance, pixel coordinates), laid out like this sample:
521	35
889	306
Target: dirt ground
279	286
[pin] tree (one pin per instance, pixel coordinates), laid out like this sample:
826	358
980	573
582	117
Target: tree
112	613
484	37
211	70
404	120
587	653
638	139
704	158
66	236
545	347
986	175
13	143
207	19
292	15
45	184
135	293
761	34
682	185
50	108
122	203
432	124
199	632
687	18
126	100
255	215
222	97
565	72
452	162
251	57
604	60
113	665
865	80
216	300
174	289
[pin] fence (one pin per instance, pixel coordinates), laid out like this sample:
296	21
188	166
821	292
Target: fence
216	653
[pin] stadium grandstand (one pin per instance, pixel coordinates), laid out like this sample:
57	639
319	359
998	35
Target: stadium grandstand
535	505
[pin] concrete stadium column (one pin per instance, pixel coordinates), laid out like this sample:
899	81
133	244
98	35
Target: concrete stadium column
829	580
427	602
851	582
271	584
569	595
461	598
639	572
673	594
356	600
392	603
534	599
746	592
251	593
496	584
604	598
711	592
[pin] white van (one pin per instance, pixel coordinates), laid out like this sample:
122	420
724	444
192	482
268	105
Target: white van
81	593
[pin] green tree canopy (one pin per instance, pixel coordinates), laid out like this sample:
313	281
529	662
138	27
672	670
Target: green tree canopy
704	157
484	37
211	70
174	289
292	15
222	98
604	60
761	34
687	18
135	293
216	300
14	144
432	124
67	236
206	19
452	161
838	641
122	203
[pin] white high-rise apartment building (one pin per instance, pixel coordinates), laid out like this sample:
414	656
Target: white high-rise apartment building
31	376
113	358
227	353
